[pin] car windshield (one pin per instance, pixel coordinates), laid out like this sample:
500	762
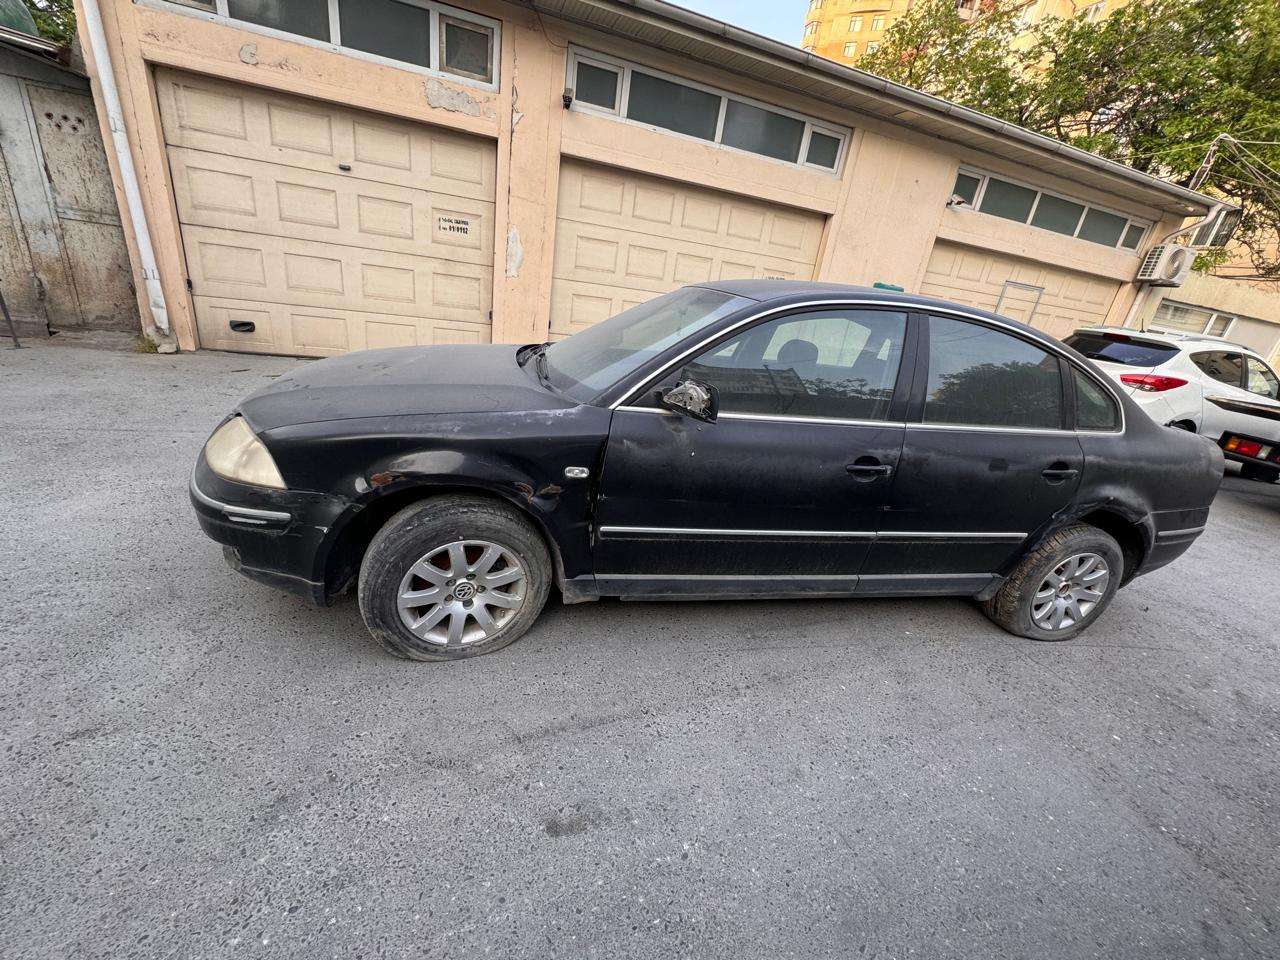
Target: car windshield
598	357
1118	348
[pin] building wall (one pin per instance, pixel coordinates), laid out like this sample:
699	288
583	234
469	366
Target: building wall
882	211
841	29
63	260
1254	308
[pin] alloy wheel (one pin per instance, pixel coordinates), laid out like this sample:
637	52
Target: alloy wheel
461	593
1070	592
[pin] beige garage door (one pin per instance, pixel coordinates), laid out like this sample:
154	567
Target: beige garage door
623	238
312	229
1055	300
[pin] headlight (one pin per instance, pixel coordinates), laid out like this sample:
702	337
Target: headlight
235	453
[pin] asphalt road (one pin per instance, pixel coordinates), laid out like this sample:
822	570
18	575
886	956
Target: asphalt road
193	766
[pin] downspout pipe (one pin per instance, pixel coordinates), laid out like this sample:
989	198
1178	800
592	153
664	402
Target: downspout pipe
128	174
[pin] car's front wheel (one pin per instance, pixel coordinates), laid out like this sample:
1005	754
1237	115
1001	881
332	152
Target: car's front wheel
453	577
1061	587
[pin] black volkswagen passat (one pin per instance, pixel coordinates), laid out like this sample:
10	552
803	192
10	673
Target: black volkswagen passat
747	439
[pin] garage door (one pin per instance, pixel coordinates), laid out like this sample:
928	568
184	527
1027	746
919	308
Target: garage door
623	238
1055	300
311	229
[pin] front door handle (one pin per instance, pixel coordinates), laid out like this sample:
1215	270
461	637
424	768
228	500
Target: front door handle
1057	472
869	468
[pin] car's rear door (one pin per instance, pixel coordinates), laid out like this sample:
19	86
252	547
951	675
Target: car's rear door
784	492
989	456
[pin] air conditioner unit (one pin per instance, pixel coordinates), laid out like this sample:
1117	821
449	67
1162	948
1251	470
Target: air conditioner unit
1166	265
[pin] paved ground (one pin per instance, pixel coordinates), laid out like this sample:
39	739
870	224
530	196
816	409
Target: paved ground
195	766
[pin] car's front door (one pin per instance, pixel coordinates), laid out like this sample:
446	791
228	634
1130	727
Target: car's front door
783	493
987	460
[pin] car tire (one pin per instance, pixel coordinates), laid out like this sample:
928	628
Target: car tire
457	555
1022	607
1253	471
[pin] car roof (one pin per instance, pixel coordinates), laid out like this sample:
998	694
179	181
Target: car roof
1187	340
785	292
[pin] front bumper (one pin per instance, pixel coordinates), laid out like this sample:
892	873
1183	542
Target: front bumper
277	537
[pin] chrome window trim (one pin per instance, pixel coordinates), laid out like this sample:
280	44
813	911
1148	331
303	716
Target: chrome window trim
778	418
969	428
241	514
908	308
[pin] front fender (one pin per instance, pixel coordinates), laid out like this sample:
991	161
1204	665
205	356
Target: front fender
378	467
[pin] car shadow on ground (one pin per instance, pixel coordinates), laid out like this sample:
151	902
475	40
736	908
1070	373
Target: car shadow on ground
608	627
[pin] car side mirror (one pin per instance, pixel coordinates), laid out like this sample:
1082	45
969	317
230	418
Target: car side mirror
693	398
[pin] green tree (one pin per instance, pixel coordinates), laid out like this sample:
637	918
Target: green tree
1151	85
55	19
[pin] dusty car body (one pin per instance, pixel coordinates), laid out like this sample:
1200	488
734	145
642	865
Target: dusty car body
713	465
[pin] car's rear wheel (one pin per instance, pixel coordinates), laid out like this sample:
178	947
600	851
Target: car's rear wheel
1253	471
453	577
1061	587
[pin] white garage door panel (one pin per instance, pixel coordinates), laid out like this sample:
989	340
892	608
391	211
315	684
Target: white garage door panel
290	329
623	238
397	249
229	264
240	121
220	191
1066	299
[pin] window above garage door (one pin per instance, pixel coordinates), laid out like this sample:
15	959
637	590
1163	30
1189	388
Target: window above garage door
419	34
638	94
1010	200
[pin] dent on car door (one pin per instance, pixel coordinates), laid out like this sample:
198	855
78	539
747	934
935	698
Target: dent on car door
782	494
988	458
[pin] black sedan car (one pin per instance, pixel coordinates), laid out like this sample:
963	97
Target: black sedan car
746	439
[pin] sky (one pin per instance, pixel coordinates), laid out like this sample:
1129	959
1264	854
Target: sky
780	19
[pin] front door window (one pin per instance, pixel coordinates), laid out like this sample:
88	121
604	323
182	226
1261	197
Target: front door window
833	364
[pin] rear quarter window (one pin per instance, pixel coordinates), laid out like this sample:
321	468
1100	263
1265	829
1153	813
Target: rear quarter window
1224	367
1127	351
1095	410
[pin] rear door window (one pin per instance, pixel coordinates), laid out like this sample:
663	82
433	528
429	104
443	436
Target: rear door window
1118	348
1222	366
982	377
1262	380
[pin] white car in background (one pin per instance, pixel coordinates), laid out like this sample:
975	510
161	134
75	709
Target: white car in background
1207	385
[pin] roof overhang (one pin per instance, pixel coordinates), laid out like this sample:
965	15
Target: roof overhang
726	47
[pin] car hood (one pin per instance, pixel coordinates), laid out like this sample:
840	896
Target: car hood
403	381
